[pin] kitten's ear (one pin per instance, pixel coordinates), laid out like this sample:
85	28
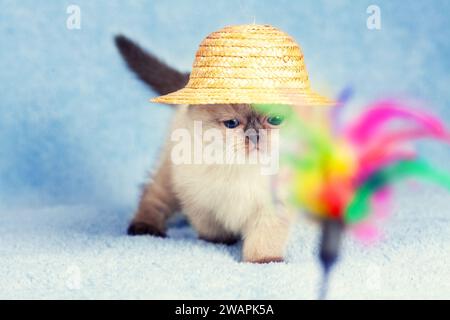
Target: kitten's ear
158	75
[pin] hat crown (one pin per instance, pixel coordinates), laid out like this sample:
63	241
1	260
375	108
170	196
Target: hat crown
251	64
249	56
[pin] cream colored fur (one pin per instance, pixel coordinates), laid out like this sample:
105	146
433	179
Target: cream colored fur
222	202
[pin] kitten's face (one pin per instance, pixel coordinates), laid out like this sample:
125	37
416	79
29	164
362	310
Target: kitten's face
252	129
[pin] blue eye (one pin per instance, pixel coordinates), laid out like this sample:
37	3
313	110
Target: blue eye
231	124
275	120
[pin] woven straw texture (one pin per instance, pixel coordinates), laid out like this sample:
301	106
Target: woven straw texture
247	64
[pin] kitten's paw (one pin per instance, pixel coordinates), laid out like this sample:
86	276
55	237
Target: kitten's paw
142	228
267	260
226	241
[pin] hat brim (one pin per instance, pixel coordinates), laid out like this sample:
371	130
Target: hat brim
245	96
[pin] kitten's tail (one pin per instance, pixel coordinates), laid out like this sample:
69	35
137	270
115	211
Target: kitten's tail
158	75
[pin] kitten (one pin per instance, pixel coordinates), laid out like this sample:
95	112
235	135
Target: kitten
223	202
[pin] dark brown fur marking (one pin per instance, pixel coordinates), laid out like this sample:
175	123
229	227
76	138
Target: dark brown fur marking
142	228
158	75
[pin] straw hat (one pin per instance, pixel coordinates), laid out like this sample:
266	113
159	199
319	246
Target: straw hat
247	64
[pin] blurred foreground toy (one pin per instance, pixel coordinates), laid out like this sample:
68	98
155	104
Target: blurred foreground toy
343	174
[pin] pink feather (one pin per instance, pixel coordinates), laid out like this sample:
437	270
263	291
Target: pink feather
368	231
370	165
371	121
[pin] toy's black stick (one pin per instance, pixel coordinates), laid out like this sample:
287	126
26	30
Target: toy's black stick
329	250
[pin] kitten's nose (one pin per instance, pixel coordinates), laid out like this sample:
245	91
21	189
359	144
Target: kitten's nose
253	137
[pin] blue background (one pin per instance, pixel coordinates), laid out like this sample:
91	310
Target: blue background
77	127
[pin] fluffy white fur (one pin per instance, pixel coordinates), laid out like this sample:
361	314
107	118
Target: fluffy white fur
223	202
